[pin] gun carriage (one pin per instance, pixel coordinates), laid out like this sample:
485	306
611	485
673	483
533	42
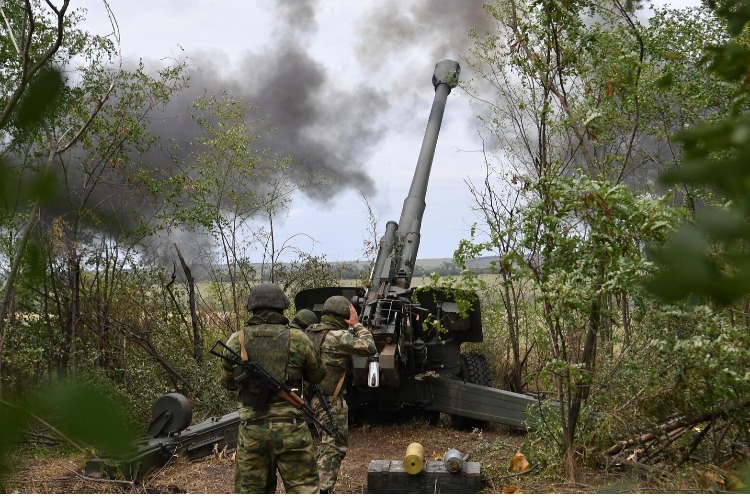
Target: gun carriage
419	331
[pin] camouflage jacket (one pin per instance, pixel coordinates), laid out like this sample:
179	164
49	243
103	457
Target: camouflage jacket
303	362
337	346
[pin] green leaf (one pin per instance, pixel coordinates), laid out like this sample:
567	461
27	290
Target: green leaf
44	188
40	97
12	423
665	81
720	224
34	259
684	267
87	415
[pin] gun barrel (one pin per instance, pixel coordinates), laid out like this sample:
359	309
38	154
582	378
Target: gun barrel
414	204
407	234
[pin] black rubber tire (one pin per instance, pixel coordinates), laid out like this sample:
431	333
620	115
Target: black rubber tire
476	370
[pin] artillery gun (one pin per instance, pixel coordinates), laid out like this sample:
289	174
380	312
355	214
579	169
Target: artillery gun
419	331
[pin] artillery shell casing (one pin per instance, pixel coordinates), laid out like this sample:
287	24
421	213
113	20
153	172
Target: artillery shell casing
453	460
414	459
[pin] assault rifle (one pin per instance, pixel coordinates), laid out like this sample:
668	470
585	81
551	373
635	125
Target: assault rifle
270	385
317	391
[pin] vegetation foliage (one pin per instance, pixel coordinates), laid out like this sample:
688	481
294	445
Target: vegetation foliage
615	202
586	106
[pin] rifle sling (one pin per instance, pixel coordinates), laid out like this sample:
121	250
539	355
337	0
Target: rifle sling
338	386
243	351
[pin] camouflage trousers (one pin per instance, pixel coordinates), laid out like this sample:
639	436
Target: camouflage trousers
330	451
264	446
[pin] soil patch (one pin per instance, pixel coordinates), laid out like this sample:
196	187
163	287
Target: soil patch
493	447
381	440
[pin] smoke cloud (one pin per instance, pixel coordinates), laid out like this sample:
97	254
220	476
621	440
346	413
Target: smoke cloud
328	127
324	127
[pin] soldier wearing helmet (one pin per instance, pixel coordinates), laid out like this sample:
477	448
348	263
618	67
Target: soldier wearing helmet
276	437
303	319
338	337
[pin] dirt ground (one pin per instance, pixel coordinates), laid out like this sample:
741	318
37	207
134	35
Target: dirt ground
493	447
215	474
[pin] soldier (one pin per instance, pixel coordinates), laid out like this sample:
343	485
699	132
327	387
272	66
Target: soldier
338	337
303	319
276	437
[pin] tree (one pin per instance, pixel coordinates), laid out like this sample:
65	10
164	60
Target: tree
575	108
60	127
716	155
234	191
704	269
80	147
306	271
34	47
33	43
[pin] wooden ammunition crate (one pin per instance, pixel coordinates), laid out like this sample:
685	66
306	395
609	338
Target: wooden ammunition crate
389	476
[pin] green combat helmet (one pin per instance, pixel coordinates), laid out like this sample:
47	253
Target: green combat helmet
337	305
267	296
304	318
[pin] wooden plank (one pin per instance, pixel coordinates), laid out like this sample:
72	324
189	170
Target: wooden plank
389	476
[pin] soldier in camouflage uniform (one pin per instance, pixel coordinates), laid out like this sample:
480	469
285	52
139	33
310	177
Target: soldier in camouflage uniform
276	437
339	336
303	319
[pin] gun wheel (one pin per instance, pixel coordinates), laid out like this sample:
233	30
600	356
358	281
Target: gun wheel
476	370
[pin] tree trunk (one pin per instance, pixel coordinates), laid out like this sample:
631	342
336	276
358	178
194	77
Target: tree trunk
10	281
515	382
580	392
571	471
197	340
74	313
625	320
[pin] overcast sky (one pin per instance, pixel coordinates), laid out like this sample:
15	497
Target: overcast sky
348	86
